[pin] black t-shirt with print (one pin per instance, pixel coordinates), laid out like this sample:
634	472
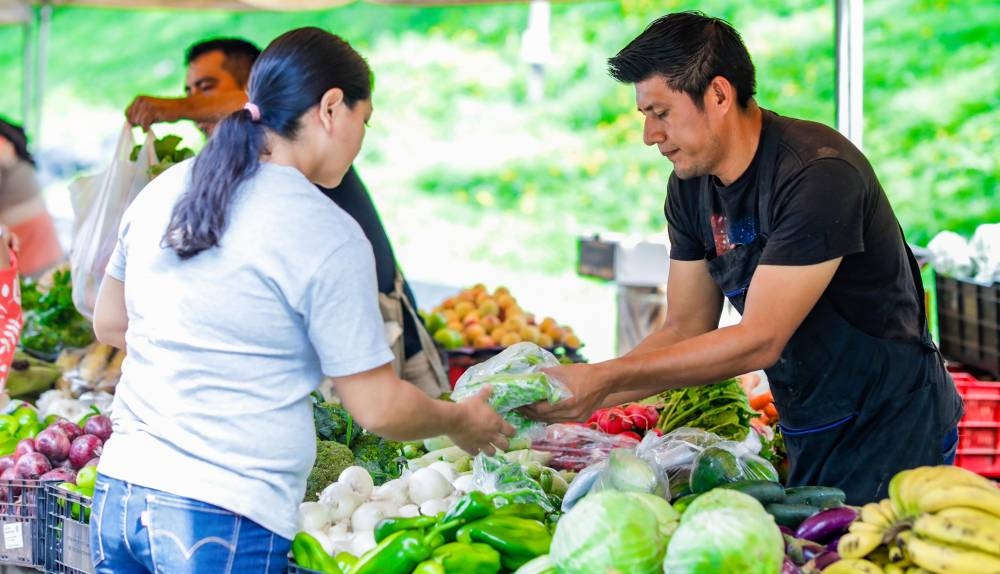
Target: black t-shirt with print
826	203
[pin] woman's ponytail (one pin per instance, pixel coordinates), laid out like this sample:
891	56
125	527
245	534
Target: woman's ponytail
231	157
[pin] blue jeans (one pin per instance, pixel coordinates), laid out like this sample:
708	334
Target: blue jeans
139	530
949	446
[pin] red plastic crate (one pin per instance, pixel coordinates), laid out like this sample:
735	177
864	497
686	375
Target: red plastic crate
985	463
982	400
973	436
979	430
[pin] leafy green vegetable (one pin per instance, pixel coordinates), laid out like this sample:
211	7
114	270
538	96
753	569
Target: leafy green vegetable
333	422
51	321
721	408
610	531
167	153
383	459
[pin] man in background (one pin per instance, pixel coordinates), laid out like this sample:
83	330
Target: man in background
218	70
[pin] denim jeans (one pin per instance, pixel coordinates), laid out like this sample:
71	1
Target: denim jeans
138	530
949	446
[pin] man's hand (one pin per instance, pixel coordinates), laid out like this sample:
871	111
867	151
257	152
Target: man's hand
588	394
146	110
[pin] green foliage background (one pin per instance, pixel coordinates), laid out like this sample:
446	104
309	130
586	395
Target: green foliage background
456	138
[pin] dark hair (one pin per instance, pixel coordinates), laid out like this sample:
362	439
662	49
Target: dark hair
688	49
240	55
15	135
288	79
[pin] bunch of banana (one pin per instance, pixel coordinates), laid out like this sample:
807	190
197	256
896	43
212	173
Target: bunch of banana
955	519
870	542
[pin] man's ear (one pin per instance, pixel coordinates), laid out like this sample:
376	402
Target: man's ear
721	94
330	106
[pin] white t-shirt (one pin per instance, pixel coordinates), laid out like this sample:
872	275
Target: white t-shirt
225	348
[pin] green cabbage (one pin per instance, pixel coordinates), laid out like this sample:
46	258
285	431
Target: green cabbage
610	532
725	531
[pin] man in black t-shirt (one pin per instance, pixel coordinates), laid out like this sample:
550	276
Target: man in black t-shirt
786	219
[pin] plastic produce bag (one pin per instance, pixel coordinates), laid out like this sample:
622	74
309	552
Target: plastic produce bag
626	472
516	380
673	455
491	474
576	447
951	255
727	462
99	202
985	248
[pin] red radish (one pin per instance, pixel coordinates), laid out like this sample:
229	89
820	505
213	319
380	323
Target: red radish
631	434
60	474
24	446
638	415
83	449
7	462
615	421
53	443
31	466
71	429
99	426
602	419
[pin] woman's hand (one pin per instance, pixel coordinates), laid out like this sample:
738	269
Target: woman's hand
479	427
587	395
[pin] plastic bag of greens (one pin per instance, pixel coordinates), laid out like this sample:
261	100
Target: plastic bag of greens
576	447
516	380
492	474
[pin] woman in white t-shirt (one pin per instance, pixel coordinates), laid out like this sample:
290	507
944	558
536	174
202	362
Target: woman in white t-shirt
236	286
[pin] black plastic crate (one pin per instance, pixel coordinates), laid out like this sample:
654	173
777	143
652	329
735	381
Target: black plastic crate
67	531
969	322
22	517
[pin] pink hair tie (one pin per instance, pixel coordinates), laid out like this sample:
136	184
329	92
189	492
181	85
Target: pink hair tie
254	111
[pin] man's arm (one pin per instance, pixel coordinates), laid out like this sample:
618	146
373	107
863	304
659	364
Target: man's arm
778	300
147	110
694	305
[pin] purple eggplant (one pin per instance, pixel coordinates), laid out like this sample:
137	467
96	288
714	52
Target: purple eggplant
811	550
789	567
786	530
833	544
825	559
827	524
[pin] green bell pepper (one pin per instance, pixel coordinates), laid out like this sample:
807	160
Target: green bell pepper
399	553
309	554
472	506
522	510
429	567
388	526
518	540
346	561
463	558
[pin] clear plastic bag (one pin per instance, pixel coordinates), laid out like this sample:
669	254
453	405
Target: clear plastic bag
99	202
576	447
516	380
673	455
726	462
492	474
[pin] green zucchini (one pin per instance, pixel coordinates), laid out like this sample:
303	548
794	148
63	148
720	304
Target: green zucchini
765	491
790	515
819	496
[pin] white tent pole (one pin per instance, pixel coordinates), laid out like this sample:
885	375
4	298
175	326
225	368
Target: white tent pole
44	25
850	24
27	71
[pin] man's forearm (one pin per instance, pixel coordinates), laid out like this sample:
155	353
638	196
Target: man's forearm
707	358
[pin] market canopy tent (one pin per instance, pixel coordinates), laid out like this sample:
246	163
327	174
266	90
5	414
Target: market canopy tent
35	15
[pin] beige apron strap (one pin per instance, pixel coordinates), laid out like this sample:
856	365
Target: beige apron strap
435	381
392	315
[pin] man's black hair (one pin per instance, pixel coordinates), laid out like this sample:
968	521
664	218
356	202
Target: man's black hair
688	49
240	55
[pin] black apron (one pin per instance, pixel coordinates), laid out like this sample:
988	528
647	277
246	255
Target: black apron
855	409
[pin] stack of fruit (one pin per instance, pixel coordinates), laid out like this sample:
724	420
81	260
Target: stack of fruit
483	320
941	519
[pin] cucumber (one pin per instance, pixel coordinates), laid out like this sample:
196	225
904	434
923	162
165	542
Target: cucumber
681	504
765	491
820	496
790	515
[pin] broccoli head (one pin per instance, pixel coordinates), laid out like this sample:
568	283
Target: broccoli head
381	458
331	459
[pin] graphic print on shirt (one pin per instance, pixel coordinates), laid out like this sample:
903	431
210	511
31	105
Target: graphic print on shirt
731	235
